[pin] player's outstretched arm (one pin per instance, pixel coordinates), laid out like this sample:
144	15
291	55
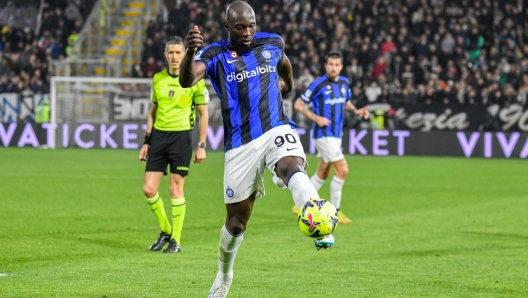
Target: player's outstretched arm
363	112
302	108
191	72
285	72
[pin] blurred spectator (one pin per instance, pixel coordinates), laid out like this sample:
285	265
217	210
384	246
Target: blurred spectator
354	71
72	13
373	91
379	66
474	43
377	121
150	67
15	15
26	54
306	78
137	71
42	112
72	38
148	49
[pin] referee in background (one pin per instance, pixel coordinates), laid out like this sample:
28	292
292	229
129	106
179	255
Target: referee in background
168	142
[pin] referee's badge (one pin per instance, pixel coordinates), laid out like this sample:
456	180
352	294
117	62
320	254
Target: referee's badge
171	93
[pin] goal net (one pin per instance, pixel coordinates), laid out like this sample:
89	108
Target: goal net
97	112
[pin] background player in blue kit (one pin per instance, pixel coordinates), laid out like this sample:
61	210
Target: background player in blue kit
330	95
245	71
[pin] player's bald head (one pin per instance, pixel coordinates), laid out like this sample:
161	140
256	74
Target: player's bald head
239	10
241	26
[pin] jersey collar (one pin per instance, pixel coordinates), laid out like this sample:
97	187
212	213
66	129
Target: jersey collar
173	76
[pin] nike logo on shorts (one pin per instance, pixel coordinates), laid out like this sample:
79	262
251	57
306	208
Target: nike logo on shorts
290	149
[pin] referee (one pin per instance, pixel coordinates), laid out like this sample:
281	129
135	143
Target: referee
168	142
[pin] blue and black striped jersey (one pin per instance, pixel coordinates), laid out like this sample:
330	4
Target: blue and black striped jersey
328	100
248	86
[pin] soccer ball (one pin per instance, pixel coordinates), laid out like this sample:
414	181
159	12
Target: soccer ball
317	218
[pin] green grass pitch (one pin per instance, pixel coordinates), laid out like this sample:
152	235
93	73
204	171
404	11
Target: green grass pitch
74	223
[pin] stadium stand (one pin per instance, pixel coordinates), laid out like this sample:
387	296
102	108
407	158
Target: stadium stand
442	52
436	52
31	37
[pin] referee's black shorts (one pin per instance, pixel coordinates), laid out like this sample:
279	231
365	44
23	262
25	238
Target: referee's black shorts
170	148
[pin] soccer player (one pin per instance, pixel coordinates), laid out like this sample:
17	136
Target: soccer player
245	70
330	95
168	142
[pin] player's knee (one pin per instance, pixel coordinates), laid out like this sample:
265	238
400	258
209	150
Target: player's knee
323	175
288	166
235	226
176	191
343	172
149	191
341	169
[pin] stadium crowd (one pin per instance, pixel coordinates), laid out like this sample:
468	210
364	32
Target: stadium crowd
443	52
25	56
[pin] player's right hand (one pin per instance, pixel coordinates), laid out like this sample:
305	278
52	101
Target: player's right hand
363	112
194	39
143	153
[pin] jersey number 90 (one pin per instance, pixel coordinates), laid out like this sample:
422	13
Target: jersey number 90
281	140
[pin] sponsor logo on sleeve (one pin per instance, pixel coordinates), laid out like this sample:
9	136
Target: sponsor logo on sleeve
198	55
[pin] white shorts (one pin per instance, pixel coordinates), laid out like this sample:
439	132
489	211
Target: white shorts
329	149
244	166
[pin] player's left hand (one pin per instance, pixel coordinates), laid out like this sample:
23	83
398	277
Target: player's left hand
363	112
199	155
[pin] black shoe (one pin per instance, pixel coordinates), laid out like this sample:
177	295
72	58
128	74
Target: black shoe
160	242
173	247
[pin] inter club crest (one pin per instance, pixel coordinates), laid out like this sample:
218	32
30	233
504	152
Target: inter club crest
266	55
229	192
